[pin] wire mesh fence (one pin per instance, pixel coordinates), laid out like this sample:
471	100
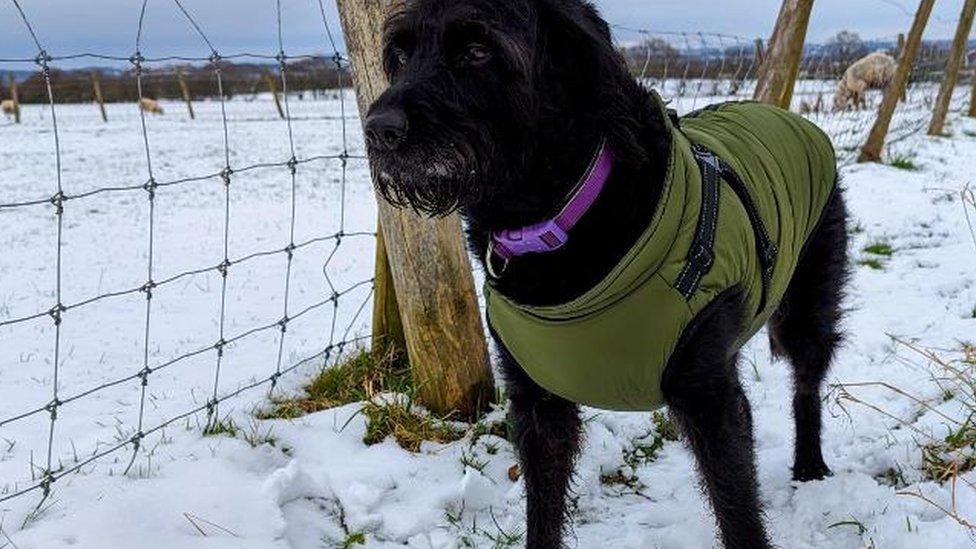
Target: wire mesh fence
78	200
696	69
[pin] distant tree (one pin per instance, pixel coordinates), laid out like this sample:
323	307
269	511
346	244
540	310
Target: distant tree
846	47
655	53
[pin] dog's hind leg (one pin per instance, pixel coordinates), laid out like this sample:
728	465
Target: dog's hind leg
805	330
546	432
701	386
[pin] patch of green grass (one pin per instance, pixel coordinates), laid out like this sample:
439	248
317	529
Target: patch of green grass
644	450
219	427
357	538
875	264
954	455
880	248
409	426
903	162
359	378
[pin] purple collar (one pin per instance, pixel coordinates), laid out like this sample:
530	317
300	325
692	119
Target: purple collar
553	234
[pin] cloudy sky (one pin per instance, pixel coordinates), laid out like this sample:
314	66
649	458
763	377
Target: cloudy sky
109	26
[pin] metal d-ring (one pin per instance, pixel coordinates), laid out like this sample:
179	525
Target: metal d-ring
490	266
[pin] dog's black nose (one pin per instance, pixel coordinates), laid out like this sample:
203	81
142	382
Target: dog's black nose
386	129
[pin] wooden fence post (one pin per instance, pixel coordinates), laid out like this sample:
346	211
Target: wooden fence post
15	97
427	258
99	98
273	87
951	77
972	95
781	66
760	54
185	90
871	152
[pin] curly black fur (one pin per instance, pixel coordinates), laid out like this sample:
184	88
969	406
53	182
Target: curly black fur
495	108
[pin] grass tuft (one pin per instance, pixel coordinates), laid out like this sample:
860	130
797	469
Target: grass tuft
954	455
644	450
875	264
409	426
903	162
357	379
880	248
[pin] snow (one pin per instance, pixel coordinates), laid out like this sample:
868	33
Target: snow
318	485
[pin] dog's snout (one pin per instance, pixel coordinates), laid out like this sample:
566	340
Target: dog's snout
387	128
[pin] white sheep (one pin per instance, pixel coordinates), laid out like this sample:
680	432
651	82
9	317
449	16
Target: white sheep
150	106
872	72
8	107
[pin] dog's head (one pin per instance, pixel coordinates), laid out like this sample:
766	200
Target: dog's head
479	90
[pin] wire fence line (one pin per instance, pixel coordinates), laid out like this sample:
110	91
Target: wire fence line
693	69
335	338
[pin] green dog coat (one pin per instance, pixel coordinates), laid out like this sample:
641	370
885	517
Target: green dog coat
746	186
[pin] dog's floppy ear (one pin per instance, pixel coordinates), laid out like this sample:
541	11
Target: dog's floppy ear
577	41
575	15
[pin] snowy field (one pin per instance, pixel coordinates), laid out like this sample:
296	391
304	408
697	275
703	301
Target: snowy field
319	485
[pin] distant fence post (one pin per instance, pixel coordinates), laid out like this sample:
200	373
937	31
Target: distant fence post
871	152
760	54
781	65
427	258
951	77
15	97
99	98
273	88
185	91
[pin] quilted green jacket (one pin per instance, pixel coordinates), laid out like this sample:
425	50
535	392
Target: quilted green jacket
745	188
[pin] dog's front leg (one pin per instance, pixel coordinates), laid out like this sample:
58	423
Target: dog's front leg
702	388
546	433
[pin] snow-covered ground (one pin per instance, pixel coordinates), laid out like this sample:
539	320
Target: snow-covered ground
319	485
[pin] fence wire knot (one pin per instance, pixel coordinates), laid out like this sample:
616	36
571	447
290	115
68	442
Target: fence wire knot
56	312
53	406
58	200
150	187
223	268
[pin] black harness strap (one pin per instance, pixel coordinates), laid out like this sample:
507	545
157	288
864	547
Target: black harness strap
765	247
701	257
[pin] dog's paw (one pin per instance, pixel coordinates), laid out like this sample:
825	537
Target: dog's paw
805	472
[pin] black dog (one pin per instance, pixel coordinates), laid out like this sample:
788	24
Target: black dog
495	108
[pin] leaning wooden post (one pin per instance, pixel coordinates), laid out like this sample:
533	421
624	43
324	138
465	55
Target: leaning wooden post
185	90
972	96
387	324
15	97
273	87
781	66
760	54
427	259
871	152
951	77
99	98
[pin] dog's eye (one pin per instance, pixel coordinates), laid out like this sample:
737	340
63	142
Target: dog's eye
400	56
475	54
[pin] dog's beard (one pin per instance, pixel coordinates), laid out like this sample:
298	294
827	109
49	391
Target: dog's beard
436	181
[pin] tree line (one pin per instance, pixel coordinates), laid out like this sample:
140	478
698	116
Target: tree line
307	75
